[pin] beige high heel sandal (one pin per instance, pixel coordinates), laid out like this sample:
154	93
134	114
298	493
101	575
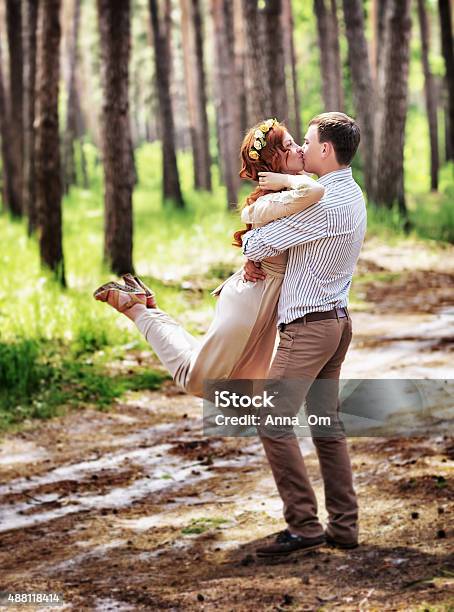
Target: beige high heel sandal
118	291
134	282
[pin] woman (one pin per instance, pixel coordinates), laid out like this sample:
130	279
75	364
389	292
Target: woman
240	341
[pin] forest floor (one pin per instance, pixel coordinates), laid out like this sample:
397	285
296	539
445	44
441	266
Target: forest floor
134	509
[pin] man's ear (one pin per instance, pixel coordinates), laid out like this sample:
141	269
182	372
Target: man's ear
325	149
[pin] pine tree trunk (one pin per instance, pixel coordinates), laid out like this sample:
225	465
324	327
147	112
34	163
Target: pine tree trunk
6	137
195	89
294	97
258	93
362	84
29	23
227	114
114	27
430	94
448	54
380	22
336	58
69	167
47	144
171	179
240	63
14	27
392	106
275	59
328	41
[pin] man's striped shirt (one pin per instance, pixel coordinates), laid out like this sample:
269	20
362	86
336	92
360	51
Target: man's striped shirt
323	244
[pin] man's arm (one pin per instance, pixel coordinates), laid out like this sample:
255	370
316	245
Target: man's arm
278	236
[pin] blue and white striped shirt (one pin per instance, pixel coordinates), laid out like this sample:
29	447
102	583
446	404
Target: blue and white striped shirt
323	244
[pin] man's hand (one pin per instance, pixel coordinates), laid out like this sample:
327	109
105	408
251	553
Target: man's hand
252	271
273	181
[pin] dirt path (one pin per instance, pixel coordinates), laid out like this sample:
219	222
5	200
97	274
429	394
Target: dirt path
135	510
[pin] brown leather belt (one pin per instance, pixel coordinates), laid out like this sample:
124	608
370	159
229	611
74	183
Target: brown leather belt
335	313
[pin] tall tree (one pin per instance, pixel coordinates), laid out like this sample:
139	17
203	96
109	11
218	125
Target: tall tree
228	119
292	86
275	59
171	179
47	151
258	91
114	27
430	95
328	39
240	63
196	91
69	167
377	11
362	84
444	8
29	24
392	106
6	137
14	27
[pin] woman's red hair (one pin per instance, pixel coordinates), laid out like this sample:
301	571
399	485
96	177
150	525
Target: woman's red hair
270	160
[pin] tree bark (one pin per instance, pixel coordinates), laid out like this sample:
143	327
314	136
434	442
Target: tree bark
6	137
275	59
328	40
69	168
29	23
14	27
292	88
114	27
378	10
240	63
196	91
392	106
171	179
362	84
228	120
47	152
444	8
336	58
258	92
430	95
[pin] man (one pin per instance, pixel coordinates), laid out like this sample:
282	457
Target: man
323	244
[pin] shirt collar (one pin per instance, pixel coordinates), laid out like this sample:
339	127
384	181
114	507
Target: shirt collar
336	175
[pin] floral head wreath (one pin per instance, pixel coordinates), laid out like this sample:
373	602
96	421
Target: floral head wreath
260	138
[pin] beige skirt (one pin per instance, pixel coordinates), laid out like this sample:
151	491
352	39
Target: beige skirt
240	341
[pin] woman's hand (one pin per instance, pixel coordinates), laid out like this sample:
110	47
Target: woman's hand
273	181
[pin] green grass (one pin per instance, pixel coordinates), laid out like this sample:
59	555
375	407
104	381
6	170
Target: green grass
200	525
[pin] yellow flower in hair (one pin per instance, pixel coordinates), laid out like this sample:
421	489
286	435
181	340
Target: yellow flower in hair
253	154
264	127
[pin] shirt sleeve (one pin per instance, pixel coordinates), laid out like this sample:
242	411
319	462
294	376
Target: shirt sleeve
285	203
278	236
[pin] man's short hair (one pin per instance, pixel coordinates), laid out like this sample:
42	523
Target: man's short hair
341	131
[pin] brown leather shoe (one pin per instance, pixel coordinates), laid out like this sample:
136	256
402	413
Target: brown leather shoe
287	543
338	544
